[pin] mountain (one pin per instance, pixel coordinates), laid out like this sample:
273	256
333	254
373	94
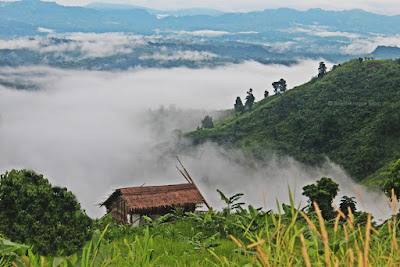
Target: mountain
35	14
180	12
386	52
15	16
351	116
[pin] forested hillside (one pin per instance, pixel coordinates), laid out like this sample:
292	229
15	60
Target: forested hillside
350	115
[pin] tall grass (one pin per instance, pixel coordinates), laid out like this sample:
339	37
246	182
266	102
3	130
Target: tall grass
289	237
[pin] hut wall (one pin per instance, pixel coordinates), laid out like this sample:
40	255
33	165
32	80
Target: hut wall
119	210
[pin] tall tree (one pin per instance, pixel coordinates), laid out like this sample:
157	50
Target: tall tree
276	86
207	122
266	93
279	86
322	192
35	213
239	105
282	85
250	99
321	70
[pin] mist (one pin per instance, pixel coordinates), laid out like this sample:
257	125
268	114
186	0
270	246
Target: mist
93	132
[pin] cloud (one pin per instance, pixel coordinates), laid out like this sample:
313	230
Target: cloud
368	45
90	45
321	31
44	30
202	33
207	33
93	132
281	47
180	55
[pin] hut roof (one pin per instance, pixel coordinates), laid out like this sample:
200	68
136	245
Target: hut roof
150	197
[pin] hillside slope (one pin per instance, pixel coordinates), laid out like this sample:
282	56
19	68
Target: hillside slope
351	116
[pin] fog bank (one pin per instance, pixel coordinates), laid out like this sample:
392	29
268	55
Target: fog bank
96	131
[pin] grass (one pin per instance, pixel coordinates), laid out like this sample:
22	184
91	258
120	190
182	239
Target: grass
243	238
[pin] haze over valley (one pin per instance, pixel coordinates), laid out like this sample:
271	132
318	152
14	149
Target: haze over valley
95	107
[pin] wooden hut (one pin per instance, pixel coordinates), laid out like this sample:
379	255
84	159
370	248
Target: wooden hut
127	205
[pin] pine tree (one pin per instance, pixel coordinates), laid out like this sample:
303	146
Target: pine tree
239	105
250	99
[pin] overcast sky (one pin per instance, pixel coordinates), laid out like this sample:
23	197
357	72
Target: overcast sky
390	7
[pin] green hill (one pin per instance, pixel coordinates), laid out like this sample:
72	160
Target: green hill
351	116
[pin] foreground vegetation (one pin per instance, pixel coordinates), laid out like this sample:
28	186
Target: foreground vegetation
240	237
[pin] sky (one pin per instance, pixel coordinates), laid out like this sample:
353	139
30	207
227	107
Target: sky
388	7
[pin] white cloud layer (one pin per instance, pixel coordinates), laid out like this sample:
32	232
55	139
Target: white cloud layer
90	131
89	44
368	45
322	31
180	55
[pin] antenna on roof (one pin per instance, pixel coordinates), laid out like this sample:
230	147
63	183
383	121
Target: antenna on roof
189	179
142	185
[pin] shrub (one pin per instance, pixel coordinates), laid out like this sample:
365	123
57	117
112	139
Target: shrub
35	213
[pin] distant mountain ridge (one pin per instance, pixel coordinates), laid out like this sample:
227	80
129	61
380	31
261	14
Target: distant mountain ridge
20	18
178	12
386	52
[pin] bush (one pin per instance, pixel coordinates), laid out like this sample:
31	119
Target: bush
35	213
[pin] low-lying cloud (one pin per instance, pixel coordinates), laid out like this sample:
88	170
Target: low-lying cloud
90	45
93	131
321	31
180	55
208	33
368	45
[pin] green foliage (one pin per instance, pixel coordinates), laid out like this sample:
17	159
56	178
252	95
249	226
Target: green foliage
393	182
250	99
230	202
35	213
239	105
346	203
207	122
279	86
288	238
266	93
322	192
161	219
321	70
350	116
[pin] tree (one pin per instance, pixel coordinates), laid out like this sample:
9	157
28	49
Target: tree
239	105
275	85
207	122
35	213
279	86
393	182
322	192
346	203
282	85
321	70
266	93
250	99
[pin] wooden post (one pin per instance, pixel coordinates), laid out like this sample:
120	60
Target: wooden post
188	178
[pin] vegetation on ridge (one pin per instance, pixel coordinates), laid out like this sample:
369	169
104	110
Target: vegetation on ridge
350	115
